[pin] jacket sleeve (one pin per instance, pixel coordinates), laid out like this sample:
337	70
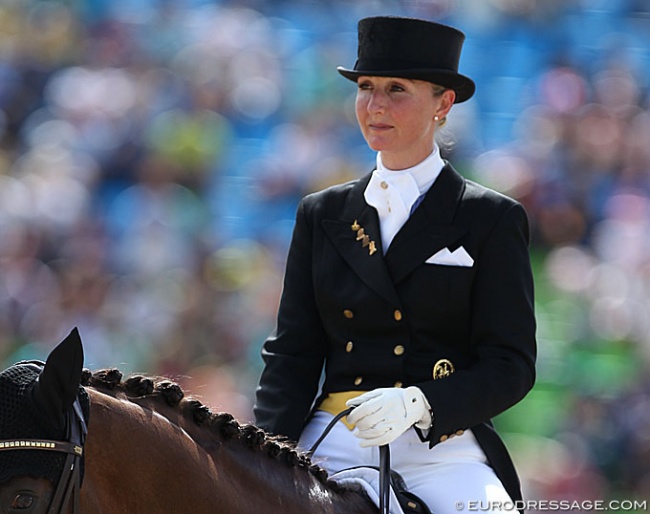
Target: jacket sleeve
294	354
502	334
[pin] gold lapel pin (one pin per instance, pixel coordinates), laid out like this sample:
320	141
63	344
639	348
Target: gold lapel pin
363	237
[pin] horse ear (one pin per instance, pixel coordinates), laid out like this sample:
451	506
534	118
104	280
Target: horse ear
57	385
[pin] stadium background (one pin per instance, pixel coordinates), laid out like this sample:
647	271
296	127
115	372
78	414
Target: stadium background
152	154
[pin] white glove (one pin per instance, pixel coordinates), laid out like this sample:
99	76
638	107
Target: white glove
382	415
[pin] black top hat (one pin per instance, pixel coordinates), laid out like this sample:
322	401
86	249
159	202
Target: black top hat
390	46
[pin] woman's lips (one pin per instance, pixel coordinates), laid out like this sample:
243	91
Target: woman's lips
379	126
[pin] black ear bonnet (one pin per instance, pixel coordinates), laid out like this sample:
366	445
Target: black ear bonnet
22	418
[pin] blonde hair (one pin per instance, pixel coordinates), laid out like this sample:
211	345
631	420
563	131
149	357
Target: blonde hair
438	90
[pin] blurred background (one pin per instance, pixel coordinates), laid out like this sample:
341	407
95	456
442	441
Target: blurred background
152	154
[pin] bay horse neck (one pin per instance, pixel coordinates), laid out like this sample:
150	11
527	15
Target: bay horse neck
144	455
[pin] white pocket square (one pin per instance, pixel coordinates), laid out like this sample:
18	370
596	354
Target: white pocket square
459	257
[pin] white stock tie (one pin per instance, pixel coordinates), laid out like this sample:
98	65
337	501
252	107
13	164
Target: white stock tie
392	194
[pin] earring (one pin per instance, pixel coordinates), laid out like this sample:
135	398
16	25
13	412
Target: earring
436	118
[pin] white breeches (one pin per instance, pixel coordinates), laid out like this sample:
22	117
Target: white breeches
451	478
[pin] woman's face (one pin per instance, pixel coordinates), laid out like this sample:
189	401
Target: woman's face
396	117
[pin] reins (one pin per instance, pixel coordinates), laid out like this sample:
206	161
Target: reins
384	462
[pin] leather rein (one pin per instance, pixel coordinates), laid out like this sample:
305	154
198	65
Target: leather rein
69	484
384	462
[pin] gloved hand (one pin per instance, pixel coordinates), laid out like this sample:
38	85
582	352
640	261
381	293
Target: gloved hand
382	415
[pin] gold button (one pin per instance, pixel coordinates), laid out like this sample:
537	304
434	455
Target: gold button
443	438
348	313
397	315
358	380
349	346
383	184
398	384
398	350
452	436
460	432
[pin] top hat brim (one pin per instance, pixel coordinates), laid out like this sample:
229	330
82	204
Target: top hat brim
462	85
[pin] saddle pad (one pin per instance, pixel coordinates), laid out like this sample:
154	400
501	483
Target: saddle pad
366	479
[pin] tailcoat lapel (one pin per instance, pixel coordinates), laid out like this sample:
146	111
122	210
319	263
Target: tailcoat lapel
429	228
370	268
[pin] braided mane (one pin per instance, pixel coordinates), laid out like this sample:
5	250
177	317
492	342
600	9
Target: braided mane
222	424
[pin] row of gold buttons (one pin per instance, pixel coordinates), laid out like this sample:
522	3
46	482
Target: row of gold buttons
444	437
397	314
398	350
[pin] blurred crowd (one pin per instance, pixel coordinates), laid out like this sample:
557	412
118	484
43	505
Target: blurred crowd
152	154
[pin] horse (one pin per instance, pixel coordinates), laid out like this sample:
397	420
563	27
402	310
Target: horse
74	441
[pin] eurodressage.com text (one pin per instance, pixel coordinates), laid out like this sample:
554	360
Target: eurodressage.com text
554	505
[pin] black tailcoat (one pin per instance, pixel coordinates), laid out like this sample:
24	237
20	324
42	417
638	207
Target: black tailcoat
377	320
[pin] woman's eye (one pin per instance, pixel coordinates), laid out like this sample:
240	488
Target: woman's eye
22	501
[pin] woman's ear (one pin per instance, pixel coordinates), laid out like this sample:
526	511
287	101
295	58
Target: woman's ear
447	99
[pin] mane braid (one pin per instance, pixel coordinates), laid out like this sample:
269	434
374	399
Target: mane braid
222	423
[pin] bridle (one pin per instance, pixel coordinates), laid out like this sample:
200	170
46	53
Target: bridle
69	484
384	462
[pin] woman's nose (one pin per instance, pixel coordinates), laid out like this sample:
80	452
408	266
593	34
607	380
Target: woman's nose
377	102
